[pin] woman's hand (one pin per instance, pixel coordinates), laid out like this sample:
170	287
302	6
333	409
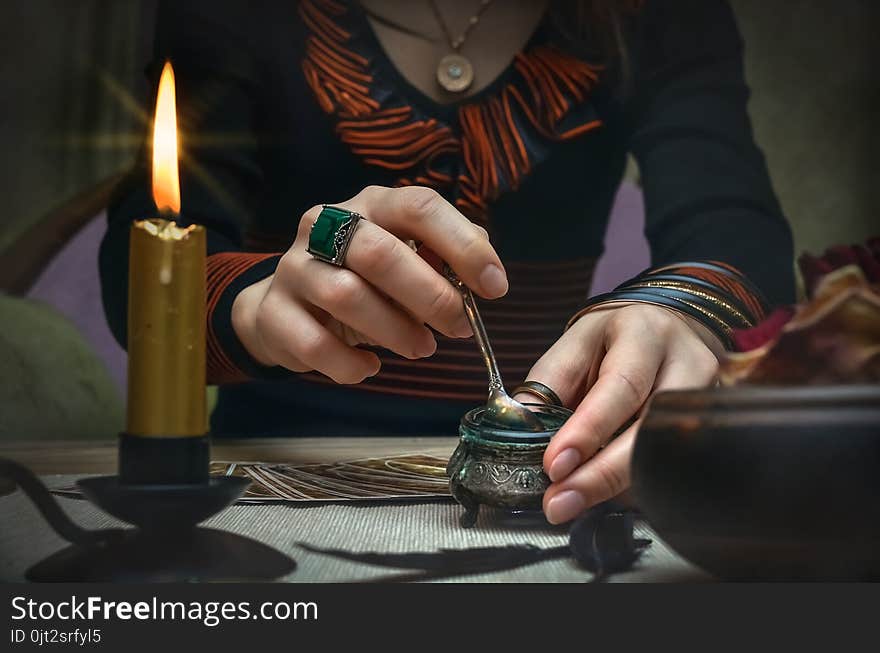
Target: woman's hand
607	365
310	315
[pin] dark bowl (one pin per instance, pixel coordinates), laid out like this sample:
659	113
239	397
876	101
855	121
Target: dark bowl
765	483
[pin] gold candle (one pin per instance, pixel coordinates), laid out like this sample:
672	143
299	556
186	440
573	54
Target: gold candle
166	330
165	439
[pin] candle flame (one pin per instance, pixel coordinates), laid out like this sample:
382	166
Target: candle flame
166	180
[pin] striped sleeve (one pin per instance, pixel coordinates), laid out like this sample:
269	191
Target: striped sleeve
228	274
714	293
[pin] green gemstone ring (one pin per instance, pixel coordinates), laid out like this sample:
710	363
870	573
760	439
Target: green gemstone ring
331	234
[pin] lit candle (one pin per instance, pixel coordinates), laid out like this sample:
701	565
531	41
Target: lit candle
165	439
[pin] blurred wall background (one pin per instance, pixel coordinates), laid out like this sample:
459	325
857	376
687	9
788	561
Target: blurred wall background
65	66
812	65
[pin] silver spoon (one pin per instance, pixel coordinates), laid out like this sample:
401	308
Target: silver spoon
501	409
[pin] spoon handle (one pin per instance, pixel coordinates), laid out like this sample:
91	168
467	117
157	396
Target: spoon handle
473	316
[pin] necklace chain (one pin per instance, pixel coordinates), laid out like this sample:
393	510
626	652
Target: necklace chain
456	42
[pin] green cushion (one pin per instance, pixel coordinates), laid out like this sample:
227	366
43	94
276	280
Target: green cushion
52	385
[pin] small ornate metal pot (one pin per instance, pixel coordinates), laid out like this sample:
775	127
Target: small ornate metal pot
500	467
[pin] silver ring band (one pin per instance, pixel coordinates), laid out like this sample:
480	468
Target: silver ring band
541	391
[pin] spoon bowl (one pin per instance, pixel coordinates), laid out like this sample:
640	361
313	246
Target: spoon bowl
505	411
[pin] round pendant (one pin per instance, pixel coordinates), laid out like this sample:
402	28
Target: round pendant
455	73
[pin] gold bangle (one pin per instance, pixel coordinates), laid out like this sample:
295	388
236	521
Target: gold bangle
714	318
608	304
677	285
709	314
595	307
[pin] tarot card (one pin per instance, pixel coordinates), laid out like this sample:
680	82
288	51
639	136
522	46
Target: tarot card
391	478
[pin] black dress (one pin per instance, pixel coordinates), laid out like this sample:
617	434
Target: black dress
286	105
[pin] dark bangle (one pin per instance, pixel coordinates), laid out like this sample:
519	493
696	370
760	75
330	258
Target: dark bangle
716	287
649	296
716	295
734	278
683	281
720	304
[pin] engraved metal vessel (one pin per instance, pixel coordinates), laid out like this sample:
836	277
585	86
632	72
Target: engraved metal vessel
501	467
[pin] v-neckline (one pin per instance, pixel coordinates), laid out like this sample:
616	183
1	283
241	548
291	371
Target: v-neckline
446	111
473	150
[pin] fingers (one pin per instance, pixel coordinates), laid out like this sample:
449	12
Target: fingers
297	341
353	302
388	263
422	214
387	294
625	379
566	367
607	474
603	477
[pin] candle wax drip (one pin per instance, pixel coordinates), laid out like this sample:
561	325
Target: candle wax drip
168	232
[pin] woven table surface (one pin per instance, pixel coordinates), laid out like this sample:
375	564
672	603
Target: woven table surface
25	538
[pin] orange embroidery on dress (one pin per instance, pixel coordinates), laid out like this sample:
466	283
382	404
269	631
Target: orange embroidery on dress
490	145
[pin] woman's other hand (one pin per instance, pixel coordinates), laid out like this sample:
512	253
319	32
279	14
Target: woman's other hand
311	315
606	366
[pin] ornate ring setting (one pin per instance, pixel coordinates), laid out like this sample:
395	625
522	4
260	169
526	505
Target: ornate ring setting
331	234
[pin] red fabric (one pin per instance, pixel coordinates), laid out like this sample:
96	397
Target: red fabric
866	256
813	269
769	329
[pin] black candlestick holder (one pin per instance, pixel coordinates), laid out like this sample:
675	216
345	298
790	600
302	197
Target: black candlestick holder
166	545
